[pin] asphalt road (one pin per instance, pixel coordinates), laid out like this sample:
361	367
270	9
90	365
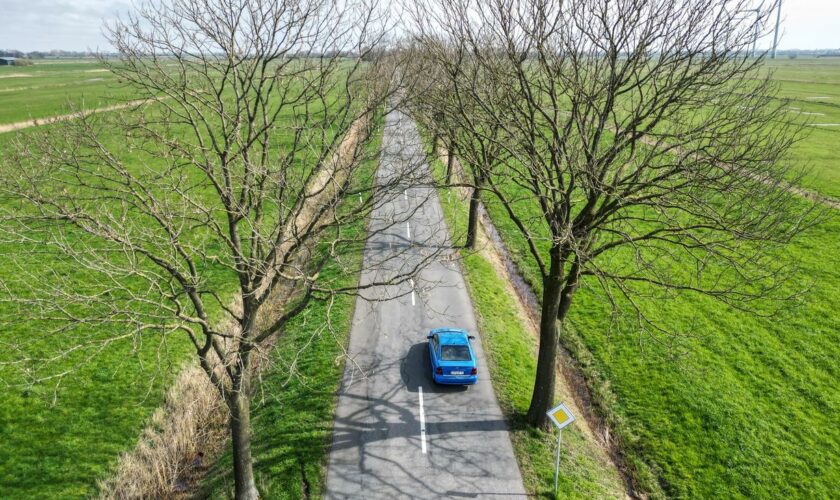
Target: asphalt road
397	434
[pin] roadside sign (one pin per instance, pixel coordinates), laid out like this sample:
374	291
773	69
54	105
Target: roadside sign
561	416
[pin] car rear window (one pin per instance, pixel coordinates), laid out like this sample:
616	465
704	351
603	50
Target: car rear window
455	353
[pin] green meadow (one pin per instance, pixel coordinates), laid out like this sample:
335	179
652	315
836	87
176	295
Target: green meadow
48	89
813	86
731	405
59	437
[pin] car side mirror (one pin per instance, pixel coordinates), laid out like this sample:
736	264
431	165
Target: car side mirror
430	337
471	337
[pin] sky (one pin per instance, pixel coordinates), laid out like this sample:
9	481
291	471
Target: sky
77	24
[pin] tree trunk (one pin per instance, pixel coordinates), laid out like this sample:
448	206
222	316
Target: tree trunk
240	429
450	159
569	290
435	139
472	223
543	396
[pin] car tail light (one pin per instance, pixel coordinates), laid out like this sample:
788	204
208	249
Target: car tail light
439	370
474	371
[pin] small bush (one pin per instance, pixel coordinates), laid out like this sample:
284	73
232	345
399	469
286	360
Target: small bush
22	62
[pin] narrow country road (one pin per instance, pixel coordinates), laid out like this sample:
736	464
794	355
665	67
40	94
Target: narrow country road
397	434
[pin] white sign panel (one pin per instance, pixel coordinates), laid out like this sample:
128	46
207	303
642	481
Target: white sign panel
561	416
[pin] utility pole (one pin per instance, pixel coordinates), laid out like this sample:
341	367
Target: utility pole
755	27
776	32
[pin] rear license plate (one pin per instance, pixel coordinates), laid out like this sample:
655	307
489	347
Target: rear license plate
456	373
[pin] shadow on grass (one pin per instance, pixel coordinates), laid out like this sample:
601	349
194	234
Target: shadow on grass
292	418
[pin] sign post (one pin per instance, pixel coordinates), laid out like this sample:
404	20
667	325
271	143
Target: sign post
561	417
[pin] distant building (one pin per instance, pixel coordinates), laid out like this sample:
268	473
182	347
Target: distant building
7	61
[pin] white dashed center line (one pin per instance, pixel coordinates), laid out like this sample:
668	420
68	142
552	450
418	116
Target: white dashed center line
422	423
407	231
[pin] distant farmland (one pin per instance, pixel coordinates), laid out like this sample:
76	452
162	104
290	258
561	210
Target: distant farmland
813	85
45	89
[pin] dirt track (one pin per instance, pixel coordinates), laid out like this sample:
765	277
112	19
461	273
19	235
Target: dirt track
11	127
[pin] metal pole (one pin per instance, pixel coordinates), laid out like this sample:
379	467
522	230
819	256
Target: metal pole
557	464
776	32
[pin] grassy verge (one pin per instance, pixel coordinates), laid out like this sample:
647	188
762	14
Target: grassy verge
292	413
749	407
294	405
584	471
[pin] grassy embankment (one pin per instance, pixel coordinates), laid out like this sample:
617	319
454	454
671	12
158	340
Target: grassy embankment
58	439
585	472
751	408
292	414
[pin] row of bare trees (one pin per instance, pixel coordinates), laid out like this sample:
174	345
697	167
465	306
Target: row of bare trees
625	140
622	139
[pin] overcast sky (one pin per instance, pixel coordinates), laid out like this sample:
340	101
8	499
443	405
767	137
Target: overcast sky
77	24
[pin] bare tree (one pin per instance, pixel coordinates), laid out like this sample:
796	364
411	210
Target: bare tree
210	210
433	87
445	108
639	138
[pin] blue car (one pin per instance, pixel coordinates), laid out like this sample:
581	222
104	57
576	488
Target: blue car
453	358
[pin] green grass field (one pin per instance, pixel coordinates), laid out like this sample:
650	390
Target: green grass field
814	87
58	439
751	409
50	88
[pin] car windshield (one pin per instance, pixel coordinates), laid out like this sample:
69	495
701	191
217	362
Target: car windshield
455	353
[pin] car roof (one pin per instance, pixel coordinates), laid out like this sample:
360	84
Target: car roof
452	336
